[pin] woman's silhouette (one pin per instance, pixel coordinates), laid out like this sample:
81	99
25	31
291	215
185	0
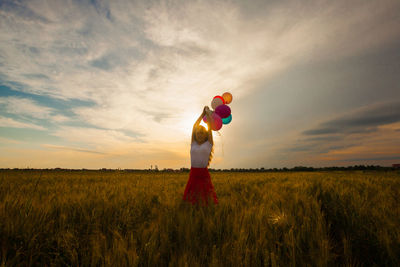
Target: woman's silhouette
199	187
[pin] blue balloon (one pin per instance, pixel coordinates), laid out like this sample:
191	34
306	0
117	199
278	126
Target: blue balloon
227	120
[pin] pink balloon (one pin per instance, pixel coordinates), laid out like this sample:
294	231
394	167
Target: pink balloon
216	122
223	111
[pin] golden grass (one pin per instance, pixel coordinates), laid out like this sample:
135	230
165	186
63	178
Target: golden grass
93	218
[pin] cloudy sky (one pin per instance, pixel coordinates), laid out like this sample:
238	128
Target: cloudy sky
119	84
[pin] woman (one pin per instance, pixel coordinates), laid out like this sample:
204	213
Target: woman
199	186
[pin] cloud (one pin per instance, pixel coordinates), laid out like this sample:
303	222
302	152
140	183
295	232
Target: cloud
203	45
9	141
9	122
102	8
28	109
390	158
100	139
361	135
150	67
363	120
60	118
72	149
22	11
24	107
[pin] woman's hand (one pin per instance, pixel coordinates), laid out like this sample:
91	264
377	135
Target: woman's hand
208	111
205	110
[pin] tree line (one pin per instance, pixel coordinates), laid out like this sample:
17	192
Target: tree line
262	169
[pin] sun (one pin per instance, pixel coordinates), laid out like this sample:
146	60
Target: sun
188	120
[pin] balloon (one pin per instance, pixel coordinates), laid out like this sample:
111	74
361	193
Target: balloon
220	97
223	111
217	101
216	122
227	97
205	118
227	120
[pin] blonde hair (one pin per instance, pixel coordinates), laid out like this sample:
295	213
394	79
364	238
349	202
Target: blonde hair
211	154
201	128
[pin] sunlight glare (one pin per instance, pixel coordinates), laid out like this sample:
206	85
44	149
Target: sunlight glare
204	124
188	119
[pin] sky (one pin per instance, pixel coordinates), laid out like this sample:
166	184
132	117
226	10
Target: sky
119	84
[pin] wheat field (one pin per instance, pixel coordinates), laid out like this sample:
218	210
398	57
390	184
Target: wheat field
120	218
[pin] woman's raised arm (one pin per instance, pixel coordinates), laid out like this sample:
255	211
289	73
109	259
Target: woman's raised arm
208	115
197	123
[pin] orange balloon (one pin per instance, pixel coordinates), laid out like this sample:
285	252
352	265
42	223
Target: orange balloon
227	97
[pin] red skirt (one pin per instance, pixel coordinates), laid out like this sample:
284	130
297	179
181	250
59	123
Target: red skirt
199	187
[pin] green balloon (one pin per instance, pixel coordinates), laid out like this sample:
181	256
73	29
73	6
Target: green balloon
227	120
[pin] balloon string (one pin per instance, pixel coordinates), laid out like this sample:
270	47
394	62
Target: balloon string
222	143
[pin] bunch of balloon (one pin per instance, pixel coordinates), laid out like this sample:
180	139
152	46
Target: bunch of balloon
222	112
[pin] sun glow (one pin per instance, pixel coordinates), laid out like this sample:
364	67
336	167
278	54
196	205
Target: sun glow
204	124
188	120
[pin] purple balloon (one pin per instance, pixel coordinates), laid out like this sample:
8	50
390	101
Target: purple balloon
223	111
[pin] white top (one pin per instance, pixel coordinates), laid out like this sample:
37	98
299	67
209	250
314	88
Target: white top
199	154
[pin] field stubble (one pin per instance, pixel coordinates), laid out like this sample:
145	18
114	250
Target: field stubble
117	218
